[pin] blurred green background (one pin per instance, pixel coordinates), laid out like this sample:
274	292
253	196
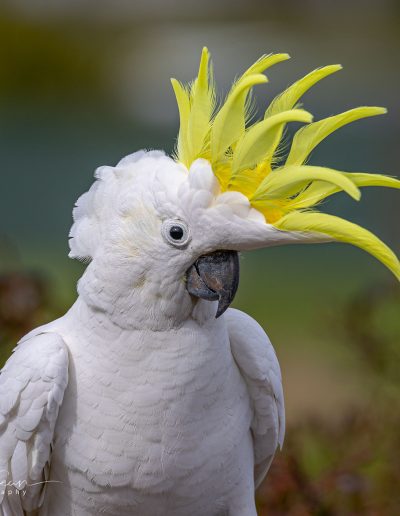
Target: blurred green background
85	82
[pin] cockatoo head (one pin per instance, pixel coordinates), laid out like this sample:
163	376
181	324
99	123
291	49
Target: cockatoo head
163	232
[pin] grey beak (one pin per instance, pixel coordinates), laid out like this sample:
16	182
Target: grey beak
215	277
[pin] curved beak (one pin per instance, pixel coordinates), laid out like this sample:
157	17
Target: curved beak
215	277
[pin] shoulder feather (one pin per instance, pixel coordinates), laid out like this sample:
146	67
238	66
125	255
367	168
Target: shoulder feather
32	385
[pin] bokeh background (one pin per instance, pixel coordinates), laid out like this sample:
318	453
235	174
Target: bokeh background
85	82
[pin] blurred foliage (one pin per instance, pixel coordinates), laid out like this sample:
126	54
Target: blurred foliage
24	304
46	63
351	466
371	323
345	469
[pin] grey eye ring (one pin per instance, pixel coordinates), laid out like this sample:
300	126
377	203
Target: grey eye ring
176	233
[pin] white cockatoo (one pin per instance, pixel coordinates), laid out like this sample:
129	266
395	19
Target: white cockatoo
150	397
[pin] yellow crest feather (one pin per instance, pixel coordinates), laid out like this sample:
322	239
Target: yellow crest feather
319	190
261	140
265	62
243	155
343	231
230	122
285	183
289	98
183	101
307	138
202	103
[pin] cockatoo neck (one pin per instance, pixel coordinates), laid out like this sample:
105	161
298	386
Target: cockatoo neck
147	302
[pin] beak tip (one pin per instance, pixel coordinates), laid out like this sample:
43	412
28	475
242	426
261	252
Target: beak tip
219	313
223	305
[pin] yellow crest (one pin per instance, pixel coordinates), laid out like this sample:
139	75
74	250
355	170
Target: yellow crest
246	156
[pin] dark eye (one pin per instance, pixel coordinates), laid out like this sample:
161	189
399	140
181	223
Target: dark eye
175	232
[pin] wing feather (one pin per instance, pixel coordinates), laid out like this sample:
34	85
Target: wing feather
257	362
32	385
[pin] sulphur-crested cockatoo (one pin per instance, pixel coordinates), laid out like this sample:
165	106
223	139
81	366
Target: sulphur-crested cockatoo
150	396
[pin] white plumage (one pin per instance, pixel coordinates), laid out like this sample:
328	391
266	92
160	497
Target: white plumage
139	401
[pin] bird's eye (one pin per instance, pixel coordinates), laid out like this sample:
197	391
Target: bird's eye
176	232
